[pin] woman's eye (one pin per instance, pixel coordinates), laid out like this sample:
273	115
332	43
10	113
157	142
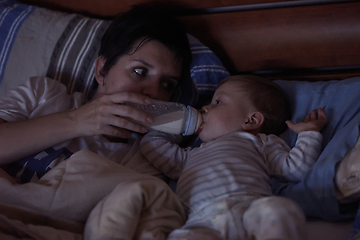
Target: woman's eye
217	102
140	71
169	85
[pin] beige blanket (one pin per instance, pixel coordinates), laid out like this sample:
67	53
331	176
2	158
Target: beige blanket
88	197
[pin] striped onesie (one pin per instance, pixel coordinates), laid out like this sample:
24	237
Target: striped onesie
228	174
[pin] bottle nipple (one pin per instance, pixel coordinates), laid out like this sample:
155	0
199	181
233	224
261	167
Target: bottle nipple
199	122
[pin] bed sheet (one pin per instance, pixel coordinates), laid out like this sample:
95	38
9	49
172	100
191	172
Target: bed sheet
108	202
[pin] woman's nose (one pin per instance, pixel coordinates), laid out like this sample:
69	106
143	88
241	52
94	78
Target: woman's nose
151	91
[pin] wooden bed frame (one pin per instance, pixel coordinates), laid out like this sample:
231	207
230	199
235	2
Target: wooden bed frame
312	40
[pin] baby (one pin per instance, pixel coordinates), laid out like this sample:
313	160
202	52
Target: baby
224	184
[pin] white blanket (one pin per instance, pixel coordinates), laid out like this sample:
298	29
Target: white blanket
88	197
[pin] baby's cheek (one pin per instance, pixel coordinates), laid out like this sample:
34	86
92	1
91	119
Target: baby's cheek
224	123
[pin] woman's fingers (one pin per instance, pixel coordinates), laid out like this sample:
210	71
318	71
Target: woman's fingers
108	115
120	115
121	98
121	122
119	107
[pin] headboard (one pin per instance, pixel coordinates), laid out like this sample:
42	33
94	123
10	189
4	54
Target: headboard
313	40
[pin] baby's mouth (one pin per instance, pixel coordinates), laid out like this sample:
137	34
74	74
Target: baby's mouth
200	128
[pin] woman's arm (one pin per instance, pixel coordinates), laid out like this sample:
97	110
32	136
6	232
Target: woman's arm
105	115
26	137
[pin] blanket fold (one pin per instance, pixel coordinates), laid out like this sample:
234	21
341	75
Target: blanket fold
111	201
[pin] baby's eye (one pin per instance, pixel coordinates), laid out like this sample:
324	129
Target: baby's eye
217	102
140	71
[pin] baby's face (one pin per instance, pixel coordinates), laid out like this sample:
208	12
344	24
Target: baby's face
228	111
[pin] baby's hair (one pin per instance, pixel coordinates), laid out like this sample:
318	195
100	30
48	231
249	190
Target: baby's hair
268	98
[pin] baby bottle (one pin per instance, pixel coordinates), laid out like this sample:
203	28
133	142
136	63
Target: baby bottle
171	117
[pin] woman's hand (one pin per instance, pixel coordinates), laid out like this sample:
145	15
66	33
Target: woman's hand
314	121
107	115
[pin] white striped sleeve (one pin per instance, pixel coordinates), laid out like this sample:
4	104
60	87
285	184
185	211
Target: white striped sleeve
293	164
163	151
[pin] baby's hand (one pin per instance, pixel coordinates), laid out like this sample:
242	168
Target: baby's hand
312	122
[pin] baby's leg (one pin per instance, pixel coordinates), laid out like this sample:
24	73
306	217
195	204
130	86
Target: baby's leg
275	218
213	221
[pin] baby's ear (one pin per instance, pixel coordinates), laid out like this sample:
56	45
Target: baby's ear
254	122
98	70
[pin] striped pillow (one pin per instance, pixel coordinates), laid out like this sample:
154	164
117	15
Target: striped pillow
11	18
36	41
73	59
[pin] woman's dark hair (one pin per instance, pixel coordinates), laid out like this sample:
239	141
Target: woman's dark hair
144	22
268	98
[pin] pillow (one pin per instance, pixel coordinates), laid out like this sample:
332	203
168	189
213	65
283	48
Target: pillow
206	72
340	100
36	41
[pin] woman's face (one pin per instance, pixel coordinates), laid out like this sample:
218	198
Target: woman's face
152	70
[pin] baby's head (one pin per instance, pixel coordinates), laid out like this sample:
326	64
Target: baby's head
245	103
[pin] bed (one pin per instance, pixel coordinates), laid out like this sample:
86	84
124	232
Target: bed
310	48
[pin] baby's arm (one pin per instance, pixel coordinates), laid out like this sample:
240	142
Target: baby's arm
293	165
163	151
314	121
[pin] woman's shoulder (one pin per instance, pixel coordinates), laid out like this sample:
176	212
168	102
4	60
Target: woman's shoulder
44	83
48	88
38	96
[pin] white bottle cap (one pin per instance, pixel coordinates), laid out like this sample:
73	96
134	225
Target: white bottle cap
192	121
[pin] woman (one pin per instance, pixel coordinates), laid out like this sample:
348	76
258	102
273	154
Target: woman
144	54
